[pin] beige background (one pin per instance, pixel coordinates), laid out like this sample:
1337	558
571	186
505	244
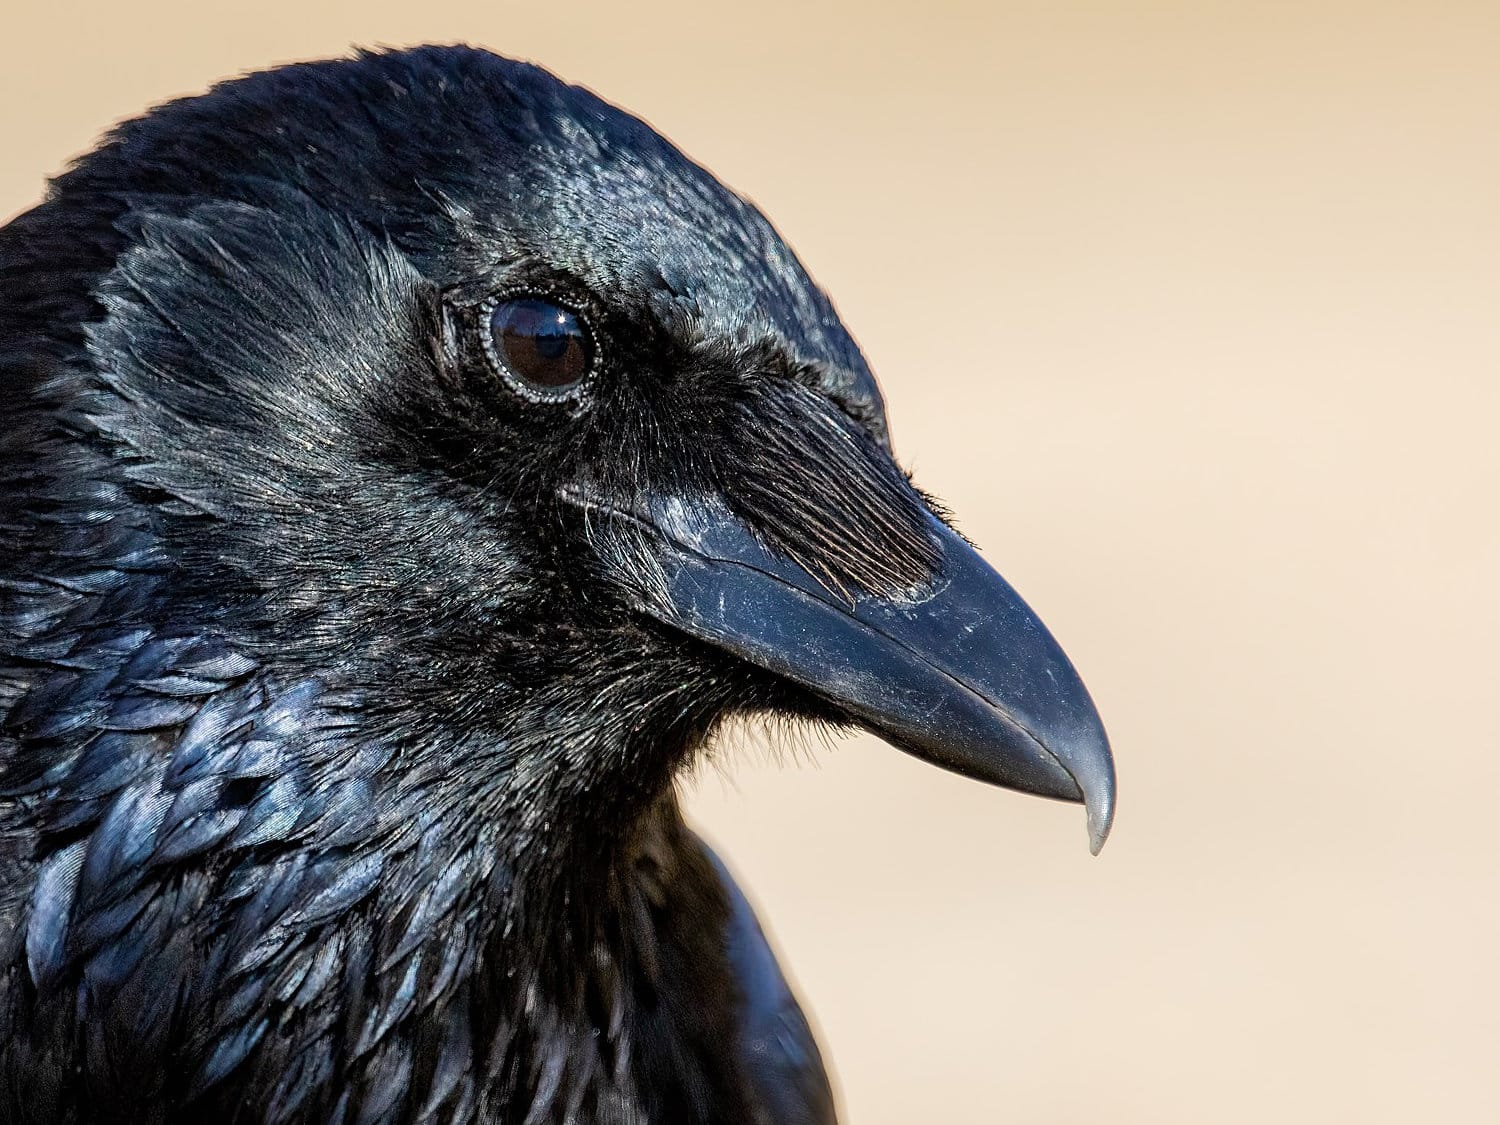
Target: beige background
1189	311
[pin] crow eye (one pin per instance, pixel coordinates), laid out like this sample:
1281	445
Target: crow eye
543	350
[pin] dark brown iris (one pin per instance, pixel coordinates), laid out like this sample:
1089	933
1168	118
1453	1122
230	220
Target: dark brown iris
539	346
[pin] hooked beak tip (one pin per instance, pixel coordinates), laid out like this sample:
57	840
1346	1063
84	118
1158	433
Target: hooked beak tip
1100	822
1096	785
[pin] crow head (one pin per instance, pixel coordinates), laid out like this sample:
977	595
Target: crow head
466	395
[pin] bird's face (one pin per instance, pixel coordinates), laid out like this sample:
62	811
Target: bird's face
498	392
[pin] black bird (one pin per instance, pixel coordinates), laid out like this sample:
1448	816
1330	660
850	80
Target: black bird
408	462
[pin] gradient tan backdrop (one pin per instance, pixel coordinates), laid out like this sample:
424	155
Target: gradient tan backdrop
1190	312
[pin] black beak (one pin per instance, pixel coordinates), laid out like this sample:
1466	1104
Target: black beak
960	673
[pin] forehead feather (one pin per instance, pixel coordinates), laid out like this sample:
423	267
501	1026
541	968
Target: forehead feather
598	193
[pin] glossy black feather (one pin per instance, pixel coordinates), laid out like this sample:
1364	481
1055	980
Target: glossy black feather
335	769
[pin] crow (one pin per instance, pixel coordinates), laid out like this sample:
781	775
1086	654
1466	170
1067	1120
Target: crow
409	462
